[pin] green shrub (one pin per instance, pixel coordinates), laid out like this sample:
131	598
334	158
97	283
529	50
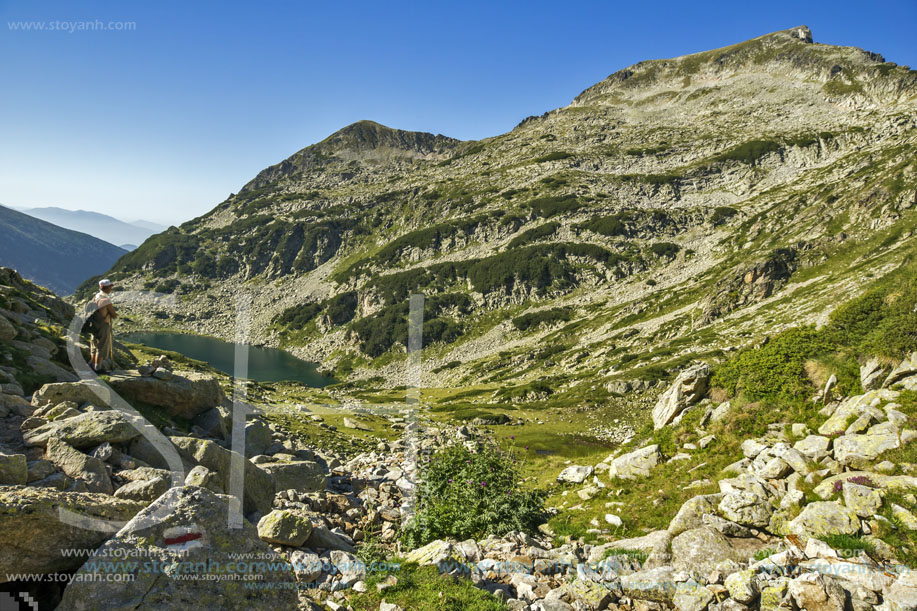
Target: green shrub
555	156
775	371
471	494
546	207
534	234
749	152
341	308
665	249
607	225
527	321
722	214
299	316
379	332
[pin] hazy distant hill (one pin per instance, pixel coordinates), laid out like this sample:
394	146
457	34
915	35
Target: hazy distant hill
102	226
57	258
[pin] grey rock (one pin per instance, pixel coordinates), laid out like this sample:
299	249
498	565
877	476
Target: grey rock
33	535
84	431
14	470
189	512
79	466
689	387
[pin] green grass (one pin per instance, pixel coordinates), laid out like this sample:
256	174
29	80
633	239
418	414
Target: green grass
425	589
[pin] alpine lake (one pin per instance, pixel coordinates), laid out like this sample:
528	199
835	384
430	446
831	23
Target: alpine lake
264	364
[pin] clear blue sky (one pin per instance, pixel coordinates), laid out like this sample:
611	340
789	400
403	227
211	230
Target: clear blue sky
163	121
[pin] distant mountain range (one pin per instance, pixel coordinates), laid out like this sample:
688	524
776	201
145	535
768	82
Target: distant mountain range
54	257
115	231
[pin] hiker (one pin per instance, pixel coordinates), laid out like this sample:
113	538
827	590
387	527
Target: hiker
100	341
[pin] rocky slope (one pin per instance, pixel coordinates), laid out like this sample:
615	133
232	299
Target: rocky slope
669	211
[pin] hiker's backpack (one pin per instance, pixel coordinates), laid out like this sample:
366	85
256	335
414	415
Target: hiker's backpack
93	323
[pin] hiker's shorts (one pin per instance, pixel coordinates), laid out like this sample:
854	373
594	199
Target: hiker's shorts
101	344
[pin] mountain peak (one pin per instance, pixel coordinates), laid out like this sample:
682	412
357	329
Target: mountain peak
363	141
789	52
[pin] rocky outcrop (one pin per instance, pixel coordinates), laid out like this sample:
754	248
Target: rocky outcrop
195	530
33	535
258	491
84	431
689	387
183	395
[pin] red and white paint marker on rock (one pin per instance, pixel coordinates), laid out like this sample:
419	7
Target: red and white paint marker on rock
183	538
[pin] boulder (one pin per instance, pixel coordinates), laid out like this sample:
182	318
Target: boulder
863	500
257	437
33	535
746	500
323	538
283	527
657	585
182	396
872	374
215	422
636	464
205	478
49	370
14	470
691	514
575	474
144	484
15	404
258	486
817	592
742	586
813	446
887	482
701	550
905	369
193	539
692	596
689	387
856	450
79	466
301	476
84	431
823	518
85	391
7	330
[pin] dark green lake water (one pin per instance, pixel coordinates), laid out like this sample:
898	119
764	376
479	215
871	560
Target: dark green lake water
264	364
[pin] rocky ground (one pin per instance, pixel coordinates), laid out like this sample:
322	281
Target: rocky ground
78	473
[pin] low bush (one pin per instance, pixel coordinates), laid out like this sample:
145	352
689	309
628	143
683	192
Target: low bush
555	156
467	493
533	319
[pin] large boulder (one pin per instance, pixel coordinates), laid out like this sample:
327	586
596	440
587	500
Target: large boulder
301	476
859	450
283	527
689	387
14	469
182	396
77	465
7	330
257	437
872	373
194	539
575	474
692	512
33	537
636	464
823	518
817	592
656	585
258	486
905	369
84	431
86	391
701	550
49	370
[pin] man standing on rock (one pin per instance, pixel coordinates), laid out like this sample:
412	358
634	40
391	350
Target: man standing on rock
100	341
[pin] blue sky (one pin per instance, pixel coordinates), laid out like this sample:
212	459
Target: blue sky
162	121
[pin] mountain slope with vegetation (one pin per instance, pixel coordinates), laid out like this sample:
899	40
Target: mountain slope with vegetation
679	209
